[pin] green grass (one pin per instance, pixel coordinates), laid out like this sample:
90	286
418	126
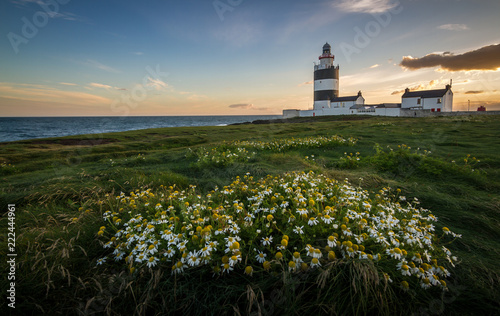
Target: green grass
56	272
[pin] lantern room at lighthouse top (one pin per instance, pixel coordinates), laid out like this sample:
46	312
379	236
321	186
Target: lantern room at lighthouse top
326	59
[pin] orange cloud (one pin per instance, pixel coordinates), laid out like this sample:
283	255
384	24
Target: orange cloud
305	83
241	106
474	92
49	94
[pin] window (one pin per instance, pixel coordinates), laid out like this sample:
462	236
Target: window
439	101
418	101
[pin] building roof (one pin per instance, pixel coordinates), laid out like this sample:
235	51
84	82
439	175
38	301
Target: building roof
388	105
345	99
425	93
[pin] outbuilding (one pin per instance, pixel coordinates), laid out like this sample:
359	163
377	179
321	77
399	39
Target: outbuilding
440	100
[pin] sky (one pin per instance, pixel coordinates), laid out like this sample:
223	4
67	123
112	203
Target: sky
239	57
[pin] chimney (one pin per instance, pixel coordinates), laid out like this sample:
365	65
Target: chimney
407	90
359	93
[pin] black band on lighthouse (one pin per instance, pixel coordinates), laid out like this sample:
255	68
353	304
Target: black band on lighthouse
329	73
323	95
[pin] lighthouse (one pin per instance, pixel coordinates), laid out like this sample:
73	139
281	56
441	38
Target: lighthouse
326	79
328	102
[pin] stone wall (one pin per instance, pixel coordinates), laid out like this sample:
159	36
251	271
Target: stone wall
428	113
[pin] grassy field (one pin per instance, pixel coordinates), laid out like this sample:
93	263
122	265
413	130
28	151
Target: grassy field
59	187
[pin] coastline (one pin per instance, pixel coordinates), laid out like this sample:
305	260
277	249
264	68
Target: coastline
24	128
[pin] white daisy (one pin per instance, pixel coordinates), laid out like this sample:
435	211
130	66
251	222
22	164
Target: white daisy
193	259
315	263
266	241
152	261
312	221
260	257
327	219
101	261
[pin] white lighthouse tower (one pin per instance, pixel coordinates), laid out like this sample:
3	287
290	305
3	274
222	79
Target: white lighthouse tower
326	80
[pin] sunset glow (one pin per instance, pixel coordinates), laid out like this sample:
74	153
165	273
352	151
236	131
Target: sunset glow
238	57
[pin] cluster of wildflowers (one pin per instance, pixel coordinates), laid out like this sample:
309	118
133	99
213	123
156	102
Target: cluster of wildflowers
421	160
7	168
349	161
469	163
310	159
140	157
284	144
294	222
404	149
220	156
237	151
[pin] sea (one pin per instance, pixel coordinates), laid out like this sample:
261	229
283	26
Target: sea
22	128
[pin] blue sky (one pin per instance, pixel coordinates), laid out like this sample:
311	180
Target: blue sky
238	57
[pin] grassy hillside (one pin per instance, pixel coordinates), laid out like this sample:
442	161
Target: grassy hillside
62	187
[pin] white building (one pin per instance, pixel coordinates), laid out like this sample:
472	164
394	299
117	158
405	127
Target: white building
434	100
347	102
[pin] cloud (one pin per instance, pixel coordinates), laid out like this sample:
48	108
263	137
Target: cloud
374	66
432	83
305	83
56	14
96	64
241	106
66	16
49	94
156	84
104	86
475	92
414	88
100	85
366	6
484	58
137	53
68	83
453	27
